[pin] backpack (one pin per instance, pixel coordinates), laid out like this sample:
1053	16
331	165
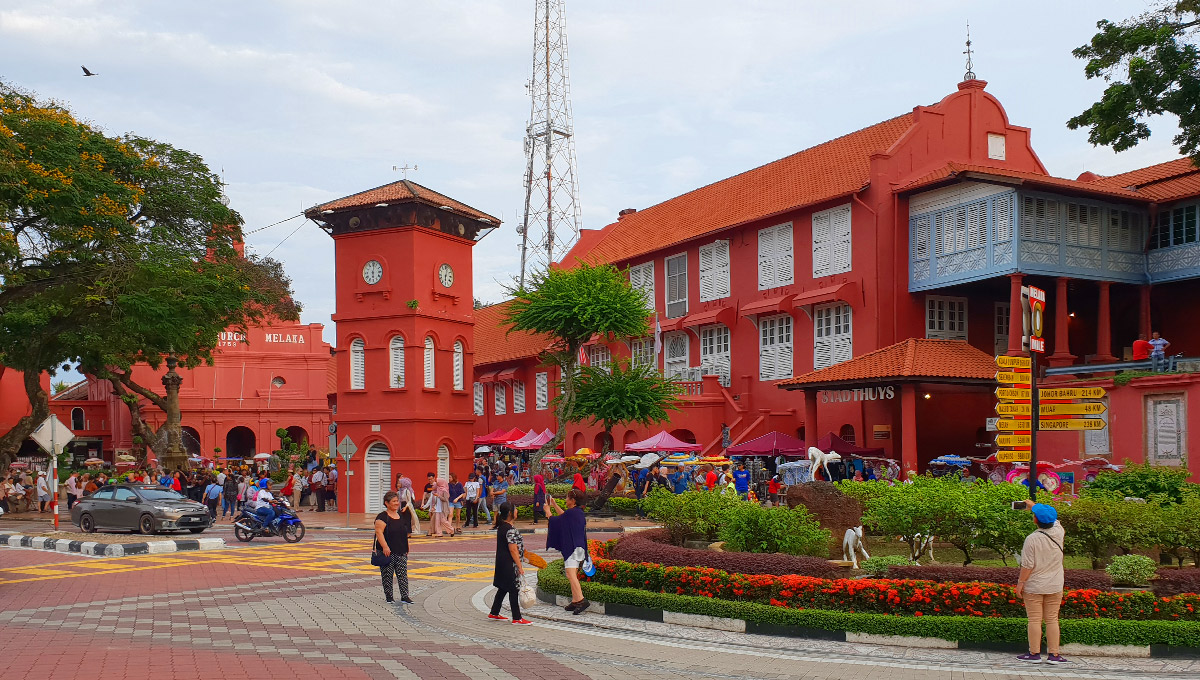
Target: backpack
230	487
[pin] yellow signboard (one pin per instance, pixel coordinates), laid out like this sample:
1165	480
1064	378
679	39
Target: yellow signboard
1013	456
1016	441
1011	393
1071	392
1010	409
1010	425
1087	408
1076	424
1012	378
1013	362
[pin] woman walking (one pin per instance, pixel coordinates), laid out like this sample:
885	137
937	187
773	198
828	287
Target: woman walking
392	527
510	549
409	498
439	517
457	496
568	534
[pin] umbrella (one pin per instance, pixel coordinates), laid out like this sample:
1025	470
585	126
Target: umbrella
623	459
587	453
483	449
648	460
93	461
262	456
951	460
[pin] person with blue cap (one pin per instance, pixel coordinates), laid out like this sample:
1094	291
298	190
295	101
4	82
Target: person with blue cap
266	513
1040	584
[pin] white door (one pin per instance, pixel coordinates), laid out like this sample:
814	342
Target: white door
443	462
378	476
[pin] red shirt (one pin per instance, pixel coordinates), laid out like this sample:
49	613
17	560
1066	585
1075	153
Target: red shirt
710	480
176	485
1141	350
773	486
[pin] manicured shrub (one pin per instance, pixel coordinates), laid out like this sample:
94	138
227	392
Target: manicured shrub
1142	481
749	527
1074	578
654	545
882	565
692	514
556	490
1176	581
1131	570
623	506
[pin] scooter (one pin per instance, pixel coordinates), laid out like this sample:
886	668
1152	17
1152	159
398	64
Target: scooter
248	526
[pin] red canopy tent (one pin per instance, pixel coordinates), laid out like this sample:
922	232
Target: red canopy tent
770	444
832	442
538	441
662	442
487	438
510	436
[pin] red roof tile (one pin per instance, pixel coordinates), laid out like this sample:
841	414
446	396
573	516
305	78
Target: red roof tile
1162	182
956	169
404	190
830	170
912	358
494	345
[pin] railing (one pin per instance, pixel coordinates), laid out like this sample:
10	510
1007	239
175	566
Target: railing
1170	363
691	388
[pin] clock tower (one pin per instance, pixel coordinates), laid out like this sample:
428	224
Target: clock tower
405	341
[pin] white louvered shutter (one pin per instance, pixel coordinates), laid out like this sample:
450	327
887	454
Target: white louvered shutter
676	286
396	362
518	396
785	262
775	347
707	274
1003	217
766	258
920	235
821	259
714	352
641	278
358	365
840	233
719	270
430	381
541	391
458	365
478	388
833	335
501	400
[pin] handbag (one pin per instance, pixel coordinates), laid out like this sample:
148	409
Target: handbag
526	595
378	559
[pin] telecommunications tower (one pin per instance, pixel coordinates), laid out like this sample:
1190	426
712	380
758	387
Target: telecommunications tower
551	222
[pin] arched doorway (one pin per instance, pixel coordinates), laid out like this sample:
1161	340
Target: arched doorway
628	438
577	441
299	436
847	434
443	462
77	419
602	442
191	441
239	443
684	436
378	476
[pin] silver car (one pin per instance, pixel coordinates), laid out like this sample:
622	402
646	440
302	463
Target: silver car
139	507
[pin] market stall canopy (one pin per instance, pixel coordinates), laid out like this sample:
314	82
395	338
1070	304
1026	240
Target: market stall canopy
661	442
529	436
770	444
510	436
487	438
832	442
538	441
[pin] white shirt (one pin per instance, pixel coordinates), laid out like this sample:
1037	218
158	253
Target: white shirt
43	487
263	499
73	485
472	490
333	475
221	478
318	478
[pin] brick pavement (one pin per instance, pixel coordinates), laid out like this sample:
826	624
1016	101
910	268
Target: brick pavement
251	616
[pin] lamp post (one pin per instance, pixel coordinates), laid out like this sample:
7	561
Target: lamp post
175	456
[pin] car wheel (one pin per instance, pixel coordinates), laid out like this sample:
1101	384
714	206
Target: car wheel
197	530
146	524
87	524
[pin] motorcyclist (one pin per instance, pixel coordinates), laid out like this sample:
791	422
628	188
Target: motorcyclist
263	509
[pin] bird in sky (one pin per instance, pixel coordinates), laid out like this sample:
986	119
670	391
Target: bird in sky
87	73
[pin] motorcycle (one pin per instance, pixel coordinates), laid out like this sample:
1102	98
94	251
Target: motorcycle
248	526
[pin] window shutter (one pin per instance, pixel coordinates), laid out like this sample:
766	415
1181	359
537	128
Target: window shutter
785	263
501	405
358	368
478	387
676	362
518	396
396	363
677	286
541	389
721	268
641	278
834	340
920	230
458	365
840	236
1004	218
1001	321
766	258
708	287
820	244
429	365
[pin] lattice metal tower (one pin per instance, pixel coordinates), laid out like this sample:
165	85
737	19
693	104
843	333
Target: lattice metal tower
551	222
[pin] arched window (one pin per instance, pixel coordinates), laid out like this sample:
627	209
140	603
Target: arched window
77	418
458	365
847	433
396	363
429	374
358	365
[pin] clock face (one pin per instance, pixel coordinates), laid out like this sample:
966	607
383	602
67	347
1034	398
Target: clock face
372	272
446	275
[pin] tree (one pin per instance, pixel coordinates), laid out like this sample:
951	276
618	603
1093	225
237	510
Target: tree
109	255
626	392
1153	67
571	306
59	386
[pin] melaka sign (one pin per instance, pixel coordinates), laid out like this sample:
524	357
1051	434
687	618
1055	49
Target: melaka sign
284	337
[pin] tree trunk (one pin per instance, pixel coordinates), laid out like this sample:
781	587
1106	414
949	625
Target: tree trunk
11	441
607	492
155	440
566	402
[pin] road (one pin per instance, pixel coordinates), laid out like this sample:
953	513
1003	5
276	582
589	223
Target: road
315	609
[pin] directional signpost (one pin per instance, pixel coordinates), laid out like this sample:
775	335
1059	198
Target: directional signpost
346	449
52	435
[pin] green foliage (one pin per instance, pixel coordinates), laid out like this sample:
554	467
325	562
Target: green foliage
1097	523
1131	570
623	506
625	392
1178	530
692	514
1142	481
555	490
863	491
963	628
878	566
749	527
1152	67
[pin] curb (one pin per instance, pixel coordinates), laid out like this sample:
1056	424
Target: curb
110	549
742	626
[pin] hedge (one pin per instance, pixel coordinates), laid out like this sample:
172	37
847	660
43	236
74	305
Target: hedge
960	628
1075	578
904	597
653	545
1175	581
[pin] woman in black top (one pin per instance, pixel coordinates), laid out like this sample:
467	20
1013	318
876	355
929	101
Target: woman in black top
392	527
509	551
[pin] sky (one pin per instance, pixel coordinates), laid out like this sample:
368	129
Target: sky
303	101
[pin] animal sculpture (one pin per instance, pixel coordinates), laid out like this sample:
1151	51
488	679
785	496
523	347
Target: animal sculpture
922	545
853	545
819	458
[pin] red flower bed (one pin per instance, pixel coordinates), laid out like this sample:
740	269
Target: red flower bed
1075	578
885	596
654	545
